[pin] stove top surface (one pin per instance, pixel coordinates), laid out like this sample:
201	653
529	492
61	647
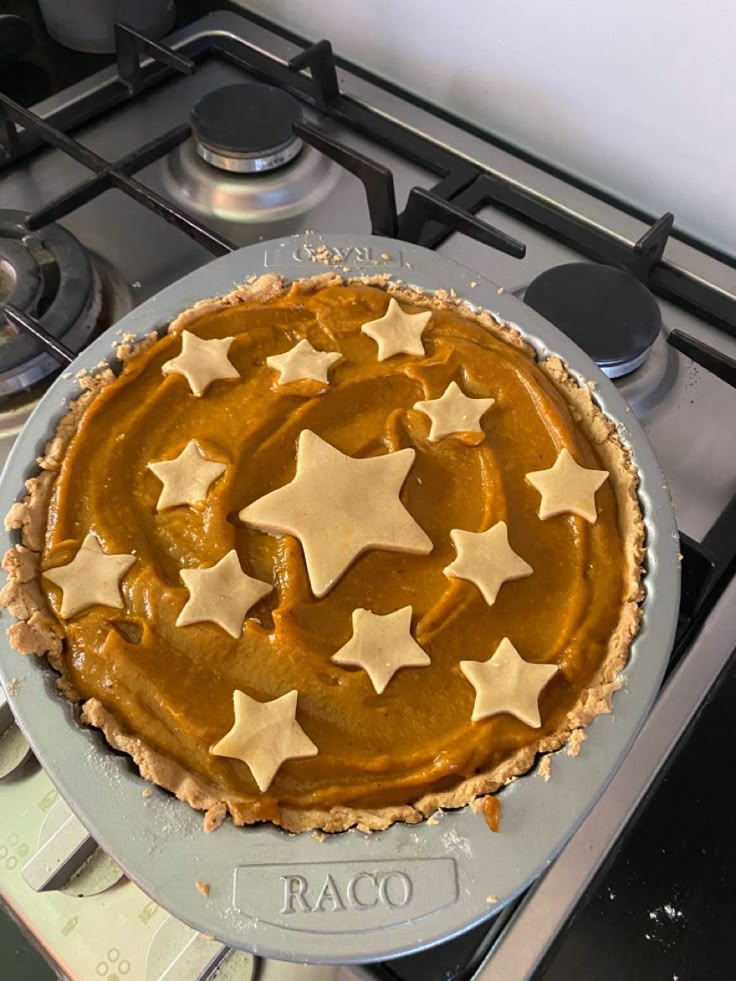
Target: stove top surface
686	409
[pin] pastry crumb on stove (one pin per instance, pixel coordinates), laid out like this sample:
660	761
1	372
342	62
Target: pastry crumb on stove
206	936
346	269
473	284
577	738
592	385
453	292
319	836
680	556
545	768
500	290
13	686
148	792
432	819
385	256
203	887
214	816
491	900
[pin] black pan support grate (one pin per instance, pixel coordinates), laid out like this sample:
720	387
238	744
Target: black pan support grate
451	205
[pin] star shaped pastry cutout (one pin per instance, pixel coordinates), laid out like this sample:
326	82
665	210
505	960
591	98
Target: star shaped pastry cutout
507	683
187	478
202	361
381	645
339	507
92	578
303	361
397	332
454	412
486	559
265	735
567	487
222	594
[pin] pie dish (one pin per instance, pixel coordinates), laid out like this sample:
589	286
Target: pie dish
161	682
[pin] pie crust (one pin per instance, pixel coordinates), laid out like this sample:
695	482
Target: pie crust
38	631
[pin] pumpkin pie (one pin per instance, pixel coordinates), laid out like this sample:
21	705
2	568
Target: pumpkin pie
329	554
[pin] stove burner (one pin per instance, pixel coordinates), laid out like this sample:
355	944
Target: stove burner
246	128
47	274
606	311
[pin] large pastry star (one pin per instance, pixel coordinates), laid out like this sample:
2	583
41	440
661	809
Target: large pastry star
507	683
454	412
303	361
381	645
92	578
567	487
202	361
186	479
265	735
486	559
222	594
397	332
339	507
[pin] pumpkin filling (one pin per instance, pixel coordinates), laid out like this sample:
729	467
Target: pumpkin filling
418	660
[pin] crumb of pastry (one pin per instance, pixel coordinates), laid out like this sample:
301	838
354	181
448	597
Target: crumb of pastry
545	768
319	836
203	887
214	816
575	743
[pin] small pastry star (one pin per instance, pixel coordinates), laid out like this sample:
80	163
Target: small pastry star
567	487
397	332
202	361
454	412
381	645
486	559
186	479
303	361
507	683
222	594
265	735
92	578
339	507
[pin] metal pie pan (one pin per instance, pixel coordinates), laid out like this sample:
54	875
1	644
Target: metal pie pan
353	897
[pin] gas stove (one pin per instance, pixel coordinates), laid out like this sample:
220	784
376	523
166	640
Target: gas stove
228	133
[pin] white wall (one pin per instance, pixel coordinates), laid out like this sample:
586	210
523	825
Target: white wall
636	96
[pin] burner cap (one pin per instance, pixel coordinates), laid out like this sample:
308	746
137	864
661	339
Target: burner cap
607	312
49	275
246	128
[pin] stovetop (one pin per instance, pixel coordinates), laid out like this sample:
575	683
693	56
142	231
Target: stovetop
685	401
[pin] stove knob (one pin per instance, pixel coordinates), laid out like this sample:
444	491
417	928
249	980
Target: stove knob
14	750
178	953
68	859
